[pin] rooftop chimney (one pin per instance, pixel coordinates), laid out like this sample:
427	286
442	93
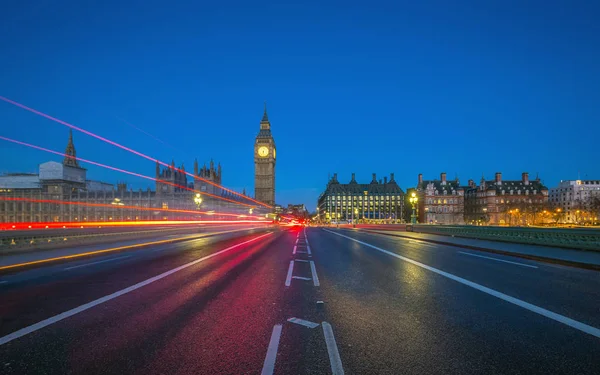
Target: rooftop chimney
525	177
443	177
374	178
420	178
385	180
391	177
334	177
353	177
499	178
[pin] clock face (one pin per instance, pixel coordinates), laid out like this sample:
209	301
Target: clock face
263	151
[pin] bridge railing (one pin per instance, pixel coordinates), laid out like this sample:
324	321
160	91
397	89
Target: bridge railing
8	243
577	238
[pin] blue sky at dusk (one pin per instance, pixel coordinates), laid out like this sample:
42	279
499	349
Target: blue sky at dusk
405	87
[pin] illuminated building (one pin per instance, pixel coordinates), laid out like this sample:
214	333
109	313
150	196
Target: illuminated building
511	202
571	196
375	201
58	184
440	201
265	156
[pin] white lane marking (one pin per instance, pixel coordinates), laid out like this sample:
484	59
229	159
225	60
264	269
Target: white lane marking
308	248
100	261
303	322
301	260
44	323
313	271
2	282
294	252
301	278
526	305
301	252
288	279
296	240
334	355
499	260
271	357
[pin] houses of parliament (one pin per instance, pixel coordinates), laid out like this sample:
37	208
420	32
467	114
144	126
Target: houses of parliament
61	191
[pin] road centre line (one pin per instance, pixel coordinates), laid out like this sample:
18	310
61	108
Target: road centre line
44	323
294	251
308	248
296	240
313	271
499	260
288	279
515	301
301	260
334	355
100	261
271	357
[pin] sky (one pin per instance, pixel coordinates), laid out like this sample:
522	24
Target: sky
409	87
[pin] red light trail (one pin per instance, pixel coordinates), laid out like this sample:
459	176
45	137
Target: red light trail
122	170
125	148
32	200
77	224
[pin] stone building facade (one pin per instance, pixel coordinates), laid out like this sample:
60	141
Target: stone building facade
440	201
377	201
61	192
506	202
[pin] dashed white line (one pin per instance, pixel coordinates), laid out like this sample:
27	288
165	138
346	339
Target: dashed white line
303	322
499	260
301	260
271	357
2	282
100	261
294	252
313	271
288	279
296	240
505	297
334	355
44	323
301	278
308	248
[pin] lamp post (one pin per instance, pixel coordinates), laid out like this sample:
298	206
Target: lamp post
413	201
198	200
354	215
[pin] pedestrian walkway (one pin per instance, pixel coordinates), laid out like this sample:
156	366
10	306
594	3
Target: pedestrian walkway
571	257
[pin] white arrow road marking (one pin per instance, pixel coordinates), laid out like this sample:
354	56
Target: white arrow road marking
303	322
301	278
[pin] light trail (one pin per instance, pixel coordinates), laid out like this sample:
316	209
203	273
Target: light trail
103	251
126	148
123	171
106	205
77	224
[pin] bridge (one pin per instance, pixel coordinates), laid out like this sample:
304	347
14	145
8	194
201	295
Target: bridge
292	299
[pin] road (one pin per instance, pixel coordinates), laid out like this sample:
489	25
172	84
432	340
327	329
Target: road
300	301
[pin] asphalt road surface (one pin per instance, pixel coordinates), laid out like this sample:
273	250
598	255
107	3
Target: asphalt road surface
314	301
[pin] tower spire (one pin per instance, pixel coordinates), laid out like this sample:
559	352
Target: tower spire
70	153
265	117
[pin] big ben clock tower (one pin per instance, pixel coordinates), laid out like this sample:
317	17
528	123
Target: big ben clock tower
264	162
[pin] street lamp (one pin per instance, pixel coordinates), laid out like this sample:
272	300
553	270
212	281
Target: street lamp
355	216
198	200
413	201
